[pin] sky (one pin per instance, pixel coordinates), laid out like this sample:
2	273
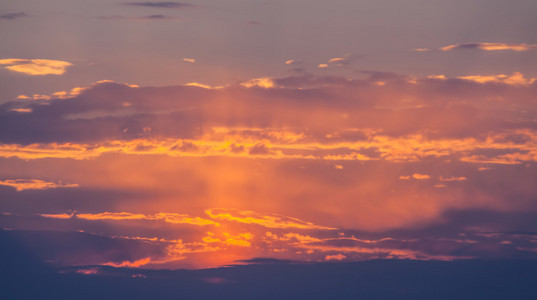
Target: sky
172	135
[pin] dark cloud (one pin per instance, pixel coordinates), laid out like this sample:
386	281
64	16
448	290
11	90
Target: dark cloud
58	200
163	4
490	46
79	248
447	108
142	18
264	260
13	16
24	277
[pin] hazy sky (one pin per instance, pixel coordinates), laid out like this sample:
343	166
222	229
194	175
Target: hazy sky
237	40
198	134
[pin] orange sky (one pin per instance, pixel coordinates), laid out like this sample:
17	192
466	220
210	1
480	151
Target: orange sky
344	170
192	135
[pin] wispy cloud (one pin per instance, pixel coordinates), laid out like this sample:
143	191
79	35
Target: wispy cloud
334	62
36	66
265	220
293	62
129	264
513	79
34	184
335	257
141	18
13	16
416	176
162	4
485	47
490	46
453	178
172	218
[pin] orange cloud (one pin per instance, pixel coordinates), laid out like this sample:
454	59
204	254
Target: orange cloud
205	86
334	62
34	184
514	79
87	271
171	218
22	110
300	238
259	82
239	240
286	145
56	216
268	221
36	66
129	264
335	257
490	46
416	176
421	176
454	178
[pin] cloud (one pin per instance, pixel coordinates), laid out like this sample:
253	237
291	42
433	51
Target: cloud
453	178
385	148
57	216
91	271
36	66
491	46
22	110
334	62
172	218
284	243
129	264
189	60
82	249
150	150
416	176
259	82
239	240
337	60
421	176
268	221
162	4
76	129
515	79
34	184
335	257
13	16
157	17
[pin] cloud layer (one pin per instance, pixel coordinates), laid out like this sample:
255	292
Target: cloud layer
310	168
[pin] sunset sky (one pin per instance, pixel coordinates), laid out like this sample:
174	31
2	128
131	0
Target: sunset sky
171	135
